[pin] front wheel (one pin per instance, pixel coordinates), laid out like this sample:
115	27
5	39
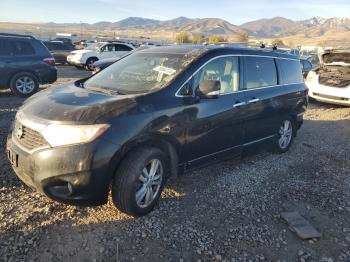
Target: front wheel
285	136
139	181
90	63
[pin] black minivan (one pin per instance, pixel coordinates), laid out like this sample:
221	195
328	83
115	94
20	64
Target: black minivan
154	114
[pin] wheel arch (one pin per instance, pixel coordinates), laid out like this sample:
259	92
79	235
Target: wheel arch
91	57
164	143
22	71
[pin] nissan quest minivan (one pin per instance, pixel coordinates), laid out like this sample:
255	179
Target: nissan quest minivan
154	114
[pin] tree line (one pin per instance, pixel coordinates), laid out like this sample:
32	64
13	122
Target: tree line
242	37
185	37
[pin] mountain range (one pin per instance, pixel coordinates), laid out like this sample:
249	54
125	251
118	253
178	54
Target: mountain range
262	28
273	27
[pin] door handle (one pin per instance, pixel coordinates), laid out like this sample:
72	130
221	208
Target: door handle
254	100
239	104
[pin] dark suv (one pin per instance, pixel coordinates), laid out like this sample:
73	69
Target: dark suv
59	50
24	64
154	114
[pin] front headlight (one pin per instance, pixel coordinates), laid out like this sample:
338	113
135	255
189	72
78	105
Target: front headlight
77	55
61	135
311	77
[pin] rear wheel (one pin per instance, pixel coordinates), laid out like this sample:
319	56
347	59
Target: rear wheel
24	84
285	136
139	181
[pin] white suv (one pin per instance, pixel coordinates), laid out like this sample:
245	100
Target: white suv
86	57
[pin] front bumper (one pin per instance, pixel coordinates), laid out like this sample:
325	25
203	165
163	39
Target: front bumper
77	175
327	94
73	60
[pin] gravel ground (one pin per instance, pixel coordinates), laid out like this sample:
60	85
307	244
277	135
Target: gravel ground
226	212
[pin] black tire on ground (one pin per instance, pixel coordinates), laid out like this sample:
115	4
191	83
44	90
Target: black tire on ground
287	130
89	63
127	180
29	86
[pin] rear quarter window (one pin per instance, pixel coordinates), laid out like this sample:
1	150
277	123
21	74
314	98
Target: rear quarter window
290	71
23	48
260	72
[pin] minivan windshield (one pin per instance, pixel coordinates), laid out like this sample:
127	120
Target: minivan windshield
139	73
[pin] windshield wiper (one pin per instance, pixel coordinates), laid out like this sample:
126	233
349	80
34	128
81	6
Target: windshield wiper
104	90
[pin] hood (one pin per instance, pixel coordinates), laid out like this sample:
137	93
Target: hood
82	51
336	57
72	104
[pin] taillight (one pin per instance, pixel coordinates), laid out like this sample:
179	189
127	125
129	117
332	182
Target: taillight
50	61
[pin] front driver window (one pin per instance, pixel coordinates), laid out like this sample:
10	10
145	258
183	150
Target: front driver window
224	69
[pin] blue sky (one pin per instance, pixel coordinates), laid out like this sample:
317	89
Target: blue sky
236	12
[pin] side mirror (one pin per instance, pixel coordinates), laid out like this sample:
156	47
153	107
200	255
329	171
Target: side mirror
209	89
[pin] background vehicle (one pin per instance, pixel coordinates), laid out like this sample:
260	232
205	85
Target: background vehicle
153	114
330	83
24	64
88	56
102	64
59	50
66	41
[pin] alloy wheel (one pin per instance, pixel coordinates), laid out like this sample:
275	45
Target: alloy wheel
25	85
150	182
90	64
286	133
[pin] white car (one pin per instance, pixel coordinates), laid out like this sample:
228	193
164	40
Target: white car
330	83
86	57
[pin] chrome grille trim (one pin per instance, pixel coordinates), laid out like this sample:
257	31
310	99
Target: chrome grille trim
30	139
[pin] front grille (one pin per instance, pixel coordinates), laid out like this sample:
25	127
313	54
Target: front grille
28	138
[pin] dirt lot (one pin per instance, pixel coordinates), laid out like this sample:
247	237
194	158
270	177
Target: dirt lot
230	211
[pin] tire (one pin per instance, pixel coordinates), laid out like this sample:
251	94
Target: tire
130	181
285	136
24	84
89	63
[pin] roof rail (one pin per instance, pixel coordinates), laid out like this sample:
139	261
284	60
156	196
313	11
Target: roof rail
17	35
262	46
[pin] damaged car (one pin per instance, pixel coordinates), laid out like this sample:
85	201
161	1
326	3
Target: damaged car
330	83
154	114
